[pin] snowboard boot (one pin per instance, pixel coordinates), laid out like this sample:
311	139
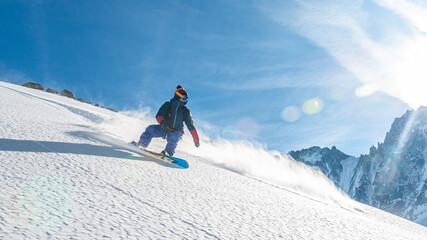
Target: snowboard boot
167	154
139	145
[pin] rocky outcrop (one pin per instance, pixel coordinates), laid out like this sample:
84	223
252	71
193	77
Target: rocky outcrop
64	92
335	164
33	85
67	93
392	177
52	91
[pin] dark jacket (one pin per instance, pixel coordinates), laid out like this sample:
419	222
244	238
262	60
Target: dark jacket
175	113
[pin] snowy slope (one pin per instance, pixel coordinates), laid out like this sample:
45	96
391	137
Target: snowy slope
67	172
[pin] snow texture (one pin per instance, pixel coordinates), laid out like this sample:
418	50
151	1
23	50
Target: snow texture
67	172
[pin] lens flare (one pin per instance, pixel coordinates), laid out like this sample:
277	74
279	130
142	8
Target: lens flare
45	202
396	158
248	128
291	113
313	106
366	90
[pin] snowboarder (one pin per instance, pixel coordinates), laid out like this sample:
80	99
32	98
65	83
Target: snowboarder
171	117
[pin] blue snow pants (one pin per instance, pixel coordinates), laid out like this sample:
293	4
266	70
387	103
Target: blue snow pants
153	131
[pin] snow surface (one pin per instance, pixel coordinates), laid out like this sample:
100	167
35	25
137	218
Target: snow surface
66	171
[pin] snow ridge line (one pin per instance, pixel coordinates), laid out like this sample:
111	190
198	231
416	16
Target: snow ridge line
86	114
163	211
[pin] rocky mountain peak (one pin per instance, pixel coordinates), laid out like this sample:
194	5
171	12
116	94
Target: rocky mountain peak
392	177
330	161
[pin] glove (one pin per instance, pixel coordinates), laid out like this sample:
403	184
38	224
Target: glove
197	144
164	125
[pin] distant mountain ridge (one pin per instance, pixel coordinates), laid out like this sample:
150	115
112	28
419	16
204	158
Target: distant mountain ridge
392	177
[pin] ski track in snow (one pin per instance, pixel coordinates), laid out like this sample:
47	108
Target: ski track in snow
63	177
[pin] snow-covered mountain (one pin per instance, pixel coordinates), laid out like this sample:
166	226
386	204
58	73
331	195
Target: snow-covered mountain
335	164
392	177
67	172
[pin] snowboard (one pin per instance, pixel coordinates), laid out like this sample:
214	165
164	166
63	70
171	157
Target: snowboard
174	160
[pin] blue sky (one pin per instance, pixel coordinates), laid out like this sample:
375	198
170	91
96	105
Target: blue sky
287	74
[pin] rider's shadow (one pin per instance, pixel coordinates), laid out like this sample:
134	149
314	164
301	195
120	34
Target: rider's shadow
110	147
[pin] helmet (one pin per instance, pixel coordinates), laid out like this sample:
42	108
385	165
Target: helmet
181	93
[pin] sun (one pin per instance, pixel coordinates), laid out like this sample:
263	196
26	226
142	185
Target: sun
410	73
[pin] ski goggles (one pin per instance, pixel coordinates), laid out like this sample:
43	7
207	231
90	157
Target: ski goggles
185	98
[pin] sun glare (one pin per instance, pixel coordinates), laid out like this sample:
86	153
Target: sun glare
400	72
312	106
411	73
